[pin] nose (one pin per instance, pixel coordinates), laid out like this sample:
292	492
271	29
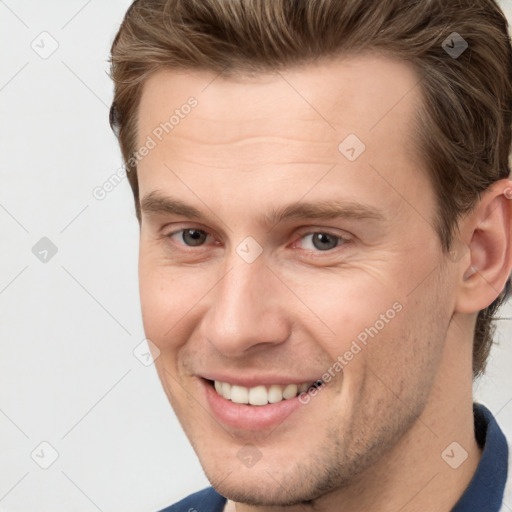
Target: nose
246	310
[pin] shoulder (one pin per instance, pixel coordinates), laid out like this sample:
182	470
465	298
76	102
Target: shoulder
207	500
507	497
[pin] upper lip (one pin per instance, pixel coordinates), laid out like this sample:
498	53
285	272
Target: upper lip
250	381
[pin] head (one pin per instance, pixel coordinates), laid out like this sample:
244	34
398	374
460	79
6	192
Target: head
314	180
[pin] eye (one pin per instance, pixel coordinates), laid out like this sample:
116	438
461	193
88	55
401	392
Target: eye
321	241
191	237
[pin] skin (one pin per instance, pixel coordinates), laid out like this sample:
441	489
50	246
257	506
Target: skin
372	439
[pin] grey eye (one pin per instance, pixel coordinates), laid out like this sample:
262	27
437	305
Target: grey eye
321	241
193	237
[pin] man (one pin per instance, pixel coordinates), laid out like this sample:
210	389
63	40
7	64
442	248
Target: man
324	205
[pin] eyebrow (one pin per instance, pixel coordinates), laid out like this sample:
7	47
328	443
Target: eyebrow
155	203
324	209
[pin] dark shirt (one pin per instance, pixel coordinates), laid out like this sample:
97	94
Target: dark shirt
483	494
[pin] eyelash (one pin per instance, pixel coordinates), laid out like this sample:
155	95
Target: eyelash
340	239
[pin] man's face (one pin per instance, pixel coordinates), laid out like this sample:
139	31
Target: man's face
281	258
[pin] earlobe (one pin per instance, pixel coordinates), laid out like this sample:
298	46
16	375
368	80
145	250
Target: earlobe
487	230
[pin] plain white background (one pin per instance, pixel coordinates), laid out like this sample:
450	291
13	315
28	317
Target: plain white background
70	326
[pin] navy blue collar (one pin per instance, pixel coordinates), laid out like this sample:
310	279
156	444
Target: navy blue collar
485	491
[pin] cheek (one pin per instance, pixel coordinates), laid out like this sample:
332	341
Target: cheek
404	357
342	307
168	298
396	334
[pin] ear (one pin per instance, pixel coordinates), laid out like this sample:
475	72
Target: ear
486	236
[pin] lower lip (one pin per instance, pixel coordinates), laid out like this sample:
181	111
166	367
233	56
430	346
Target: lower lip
248	417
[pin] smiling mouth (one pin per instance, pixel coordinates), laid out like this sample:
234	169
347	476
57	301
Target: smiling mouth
261	395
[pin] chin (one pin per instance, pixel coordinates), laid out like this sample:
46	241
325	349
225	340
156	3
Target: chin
261	494
272	485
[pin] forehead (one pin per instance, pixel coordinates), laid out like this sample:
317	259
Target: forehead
357	93
281	125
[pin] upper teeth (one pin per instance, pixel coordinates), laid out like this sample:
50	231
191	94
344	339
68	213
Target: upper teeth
259	395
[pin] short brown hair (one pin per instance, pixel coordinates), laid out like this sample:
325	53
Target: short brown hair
464	126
